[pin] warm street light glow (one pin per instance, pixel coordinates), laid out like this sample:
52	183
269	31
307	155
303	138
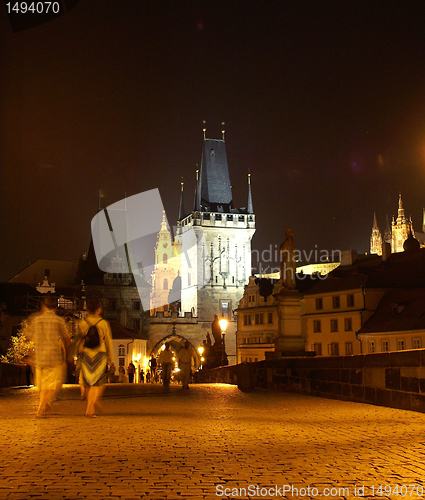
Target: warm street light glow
201	350
223	324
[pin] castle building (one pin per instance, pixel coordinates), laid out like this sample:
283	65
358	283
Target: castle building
397	234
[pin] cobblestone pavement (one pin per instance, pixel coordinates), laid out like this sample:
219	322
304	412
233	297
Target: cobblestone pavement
193	445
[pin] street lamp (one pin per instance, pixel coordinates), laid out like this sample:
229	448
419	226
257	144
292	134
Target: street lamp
223	327
201	350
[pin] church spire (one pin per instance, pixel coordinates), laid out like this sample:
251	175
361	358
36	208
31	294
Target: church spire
181	203
400	215
375	222
250	207
375	237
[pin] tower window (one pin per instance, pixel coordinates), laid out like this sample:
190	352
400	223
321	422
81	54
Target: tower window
165	284
164	258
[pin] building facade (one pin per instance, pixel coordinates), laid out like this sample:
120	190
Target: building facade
397	324
257	321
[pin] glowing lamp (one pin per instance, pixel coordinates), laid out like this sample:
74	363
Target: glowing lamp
223	324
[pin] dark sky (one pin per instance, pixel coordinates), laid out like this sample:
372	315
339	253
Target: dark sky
324	103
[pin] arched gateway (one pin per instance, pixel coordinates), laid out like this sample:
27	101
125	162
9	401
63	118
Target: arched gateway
176	343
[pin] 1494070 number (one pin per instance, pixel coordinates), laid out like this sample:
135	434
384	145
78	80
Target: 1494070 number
33	7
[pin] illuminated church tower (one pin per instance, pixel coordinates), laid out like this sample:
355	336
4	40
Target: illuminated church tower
165	269
215	241
401	227
375	238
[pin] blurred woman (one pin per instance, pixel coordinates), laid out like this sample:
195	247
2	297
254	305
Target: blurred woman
95	353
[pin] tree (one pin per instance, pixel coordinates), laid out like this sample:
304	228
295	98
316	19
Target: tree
20	347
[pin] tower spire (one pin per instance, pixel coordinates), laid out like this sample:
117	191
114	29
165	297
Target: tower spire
223	130
204	129
195	198
250	207
375	238
181	204
375	222
400	215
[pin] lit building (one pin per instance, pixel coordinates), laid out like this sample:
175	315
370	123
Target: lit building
397	234
375	238
397	324
166	269
258	323
334	310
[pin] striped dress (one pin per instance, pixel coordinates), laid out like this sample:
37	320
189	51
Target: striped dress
94	361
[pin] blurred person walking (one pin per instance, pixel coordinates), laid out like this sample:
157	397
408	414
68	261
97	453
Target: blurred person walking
131	371
96	353
185	364
166	361
49	335
153	366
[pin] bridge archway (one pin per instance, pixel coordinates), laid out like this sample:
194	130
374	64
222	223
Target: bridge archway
176	342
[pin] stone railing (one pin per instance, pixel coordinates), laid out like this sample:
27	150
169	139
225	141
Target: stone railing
395	379
12	375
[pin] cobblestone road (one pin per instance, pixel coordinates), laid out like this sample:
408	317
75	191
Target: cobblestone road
194	445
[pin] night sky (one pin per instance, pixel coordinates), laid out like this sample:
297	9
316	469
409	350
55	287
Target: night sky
324	104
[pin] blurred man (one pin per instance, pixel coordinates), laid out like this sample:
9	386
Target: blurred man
185	364
48	333
166	362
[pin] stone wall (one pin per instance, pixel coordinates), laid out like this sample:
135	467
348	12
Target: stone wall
12	375
395	379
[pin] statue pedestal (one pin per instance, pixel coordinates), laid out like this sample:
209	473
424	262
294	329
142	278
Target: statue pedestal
291	338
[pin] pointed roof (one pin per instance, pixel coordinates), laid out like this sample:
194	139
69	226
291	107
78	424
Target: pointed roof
195	198
164	223
400	214
250	206
375	222
215	188
182	212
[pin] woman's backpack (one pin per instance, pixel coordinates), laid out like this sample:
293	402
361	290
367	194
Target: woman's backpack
92	337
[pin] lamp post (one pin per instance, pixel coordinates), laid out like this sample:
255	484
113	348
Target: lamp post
223	327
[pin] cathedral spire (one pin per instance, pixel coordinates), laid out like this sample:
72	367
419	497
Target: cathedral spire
400	214
375	237
250	207
181	203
